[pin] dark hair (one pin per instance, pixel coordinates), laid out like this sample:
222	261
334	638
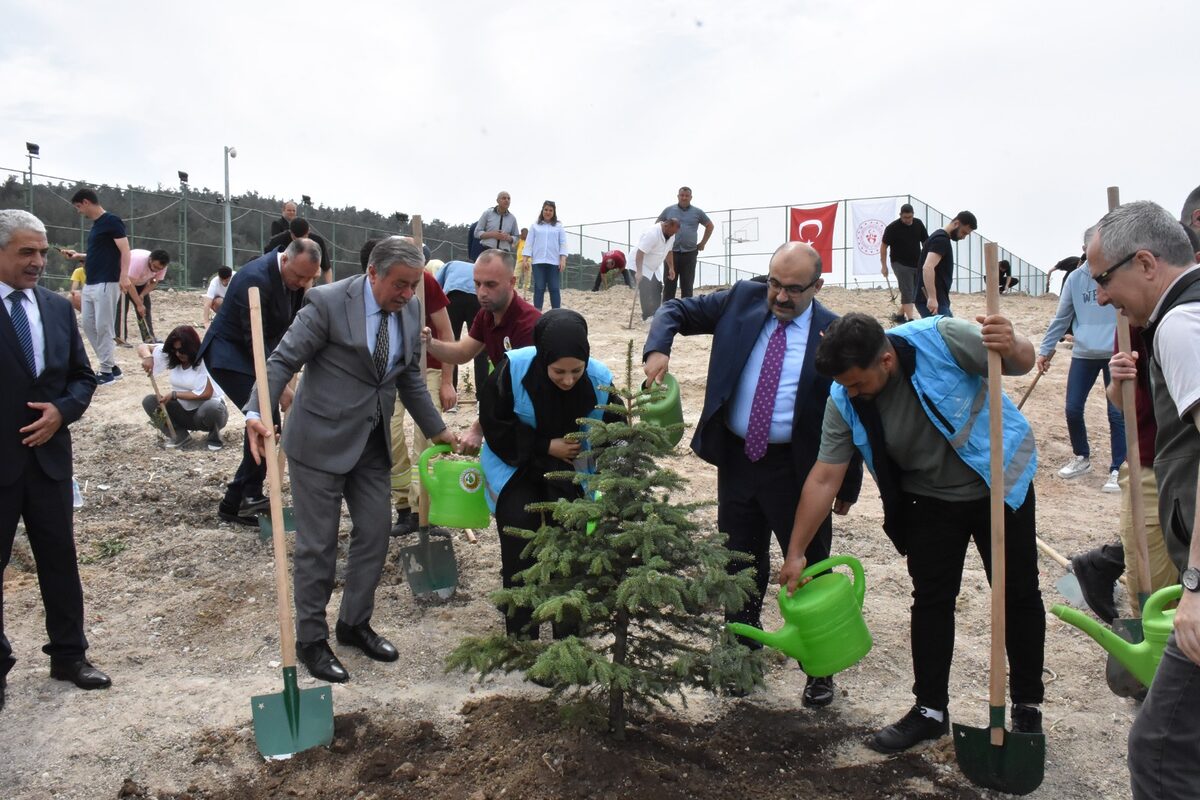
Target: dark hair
189	342
1193	237
855	340
298	227
1004	265
161	256
906	208
1190	206
225	272
553	217
967	218
687	189
85	196
364	252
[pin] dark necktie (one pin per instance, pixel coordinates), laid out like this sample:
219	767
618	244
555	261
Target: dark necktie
21	326
763	407
382	345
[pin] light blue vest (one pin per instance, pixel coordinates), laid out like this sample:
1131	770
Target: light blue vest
956	404
498	472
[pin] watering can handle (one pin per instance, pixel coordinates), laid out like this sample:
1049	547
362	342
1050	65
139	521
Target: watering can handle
860	583
1154	604
423	465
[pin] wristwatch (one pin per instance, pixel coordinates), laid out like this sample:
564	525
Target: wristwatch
1191	579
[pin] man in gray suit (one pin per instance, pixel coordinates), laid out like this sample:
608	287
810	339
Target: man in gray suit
337	439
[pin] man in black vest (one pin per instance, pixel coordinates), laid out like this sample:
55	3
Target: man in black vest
1144	265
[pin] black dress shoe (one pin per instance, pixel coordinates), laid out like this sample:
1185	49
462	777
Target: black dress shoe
81	673
320	661
818	692
237	519
367	640
254	505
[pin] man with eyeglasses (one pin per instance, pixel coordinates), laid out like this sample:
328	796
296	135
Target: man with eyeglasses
1143	263
761	421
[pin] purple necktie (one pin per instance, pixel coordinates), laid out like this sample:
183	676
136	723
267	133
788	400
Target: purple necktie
763	407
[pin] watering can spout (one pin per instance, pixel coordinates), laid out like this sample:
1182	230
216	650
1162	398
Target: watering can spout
1137	658
790	645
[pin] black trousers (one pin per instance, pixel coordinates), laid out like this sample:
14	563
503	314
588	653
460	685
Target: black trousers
462	310
938	532
45	506
685	276
248	480
121	325
600	279
527	486
754	500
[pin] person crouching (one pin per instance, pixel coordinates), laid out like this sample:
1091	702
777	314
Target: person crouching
192	399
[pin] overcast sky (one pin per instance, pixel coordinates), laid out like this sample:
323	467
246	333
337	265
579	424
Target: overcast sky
1022	112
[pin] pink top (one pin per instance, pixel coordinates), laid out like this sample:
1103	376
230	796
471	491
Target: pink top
139	268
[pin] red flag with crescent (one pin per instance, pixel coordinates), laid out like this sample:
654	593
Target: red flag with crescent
815	227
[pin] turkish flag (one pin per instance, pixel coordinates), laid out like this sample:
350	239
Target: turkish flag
814	226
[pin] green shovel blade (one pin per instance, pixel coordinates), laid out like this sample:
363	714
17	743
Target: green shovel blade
429	565
1015	767
293	720
264	524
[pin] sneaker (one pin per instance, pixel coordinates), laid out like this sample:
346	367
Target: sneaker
116	373
254	505
1097	580
214	443
914	728
182	439
407	522
1111	486
818	692
1078	465
1026	719
104	378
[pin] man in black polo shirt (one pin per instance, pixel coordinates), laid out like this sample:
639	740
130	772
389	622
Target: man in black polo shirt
904	236
937	265
107	263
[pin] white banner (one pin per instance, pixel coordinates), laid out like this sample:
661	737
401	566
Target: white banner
868	218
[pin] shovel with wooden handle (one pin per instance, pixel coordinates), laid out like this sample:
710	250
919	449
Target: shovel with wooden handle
292	720
1037	376
162	406
993	757
265	528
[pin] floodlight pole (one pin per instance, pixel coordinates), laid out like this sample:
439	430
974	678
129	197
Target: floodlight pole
29	190
230	152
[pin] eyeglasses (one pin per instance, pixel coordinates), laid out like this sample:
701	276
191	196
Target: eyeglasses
1104	277
793	289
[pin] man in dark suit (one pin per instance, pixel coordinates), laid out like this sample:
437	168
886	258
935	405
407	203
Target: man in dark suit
281	278
359	343
48	384
280	225
763	406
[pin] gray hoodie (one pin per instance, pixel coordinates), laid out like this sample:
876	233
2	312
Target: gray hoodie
1095	325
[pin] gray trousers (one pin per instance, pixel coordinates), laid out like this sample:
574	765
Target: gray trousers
210	417
97	316
650	292
1164	742
317	499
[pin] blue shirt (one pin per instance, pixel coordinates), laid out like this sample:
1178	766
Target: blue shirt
373	316
103	257
545	243
457	276
738	418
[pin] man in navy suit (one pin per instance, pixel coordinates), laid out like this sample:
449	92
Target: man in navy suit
48	384
763	406
281	277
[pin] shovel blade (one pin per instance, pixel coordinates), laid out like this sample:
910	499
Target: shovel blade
293	720
429	565
264	524
1015	767
1068	586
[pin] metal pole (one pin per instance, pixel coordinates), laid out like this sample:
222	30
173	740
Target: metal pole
29	190
229	152
183	234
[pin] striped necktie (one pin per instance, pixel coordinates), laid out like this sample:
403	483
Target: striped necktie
21	325
383	344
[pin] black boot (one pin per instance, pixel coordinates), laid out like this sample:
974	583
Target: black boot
1097	572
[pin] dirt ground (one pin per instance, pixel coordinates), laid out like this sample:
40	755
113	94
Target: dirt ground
180	612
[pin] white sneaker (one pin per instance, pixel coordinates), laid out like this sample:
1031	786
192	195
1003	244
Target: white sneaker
1111	486
1079	465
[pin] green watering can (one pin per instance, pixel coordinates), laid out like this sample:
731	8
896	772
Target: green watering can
823	626
1140	659
456	495
664	411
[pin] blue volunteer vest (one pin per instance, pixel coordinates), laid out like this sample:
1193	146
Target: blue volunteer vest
496	471
956	404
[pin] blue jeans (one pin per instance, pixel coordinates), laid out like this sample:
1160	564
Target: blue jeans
546	276
1080	380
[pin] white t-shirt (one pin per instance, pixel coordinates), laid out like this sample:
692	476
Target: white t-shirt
654	247
186	379
216	288
1177	349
